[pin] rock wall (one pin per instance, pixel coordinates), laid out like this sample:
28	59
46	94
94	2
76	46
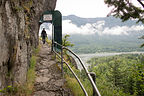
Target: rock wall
18	35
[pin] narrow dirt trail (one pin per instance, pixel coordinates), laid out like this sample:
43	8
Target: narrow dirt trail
49	80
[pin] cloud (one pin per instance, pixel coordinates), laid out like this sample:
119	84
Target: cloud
95	28
116	30
137	28
70	28
122	30
98	27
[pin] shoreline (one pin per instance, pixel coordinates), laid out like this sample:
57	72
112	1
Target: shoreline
86	57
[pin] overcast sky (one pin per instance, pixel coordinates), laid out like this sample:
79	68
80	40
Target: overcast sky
84	8
89	9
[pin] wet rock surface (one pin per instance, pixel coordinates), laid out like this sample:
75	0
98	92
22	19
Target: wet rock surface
49	81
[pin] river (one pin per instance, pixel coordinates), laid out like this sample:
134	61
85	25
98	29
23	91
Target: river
86	57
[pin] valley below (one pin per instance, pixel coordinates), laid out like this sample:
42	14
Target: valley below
87	57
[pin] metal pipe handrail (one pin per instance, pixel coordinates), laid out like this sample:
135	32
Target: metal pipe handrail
81	85
89	76
84	67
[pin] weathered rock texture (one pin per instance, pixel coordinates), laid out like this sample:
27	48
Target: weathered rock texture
18	35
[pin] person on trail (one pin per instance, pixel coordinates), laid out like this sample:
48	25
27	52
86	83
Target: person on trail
43	35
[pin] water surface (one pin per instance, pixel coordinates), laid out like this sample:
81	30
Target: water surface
86	57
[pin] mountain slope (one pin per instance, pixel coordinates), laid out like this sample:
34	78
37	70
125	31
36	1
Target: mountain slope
110	21
107	34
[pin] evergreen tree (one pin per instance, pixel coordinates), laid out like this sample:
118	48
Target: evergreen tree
139	78
115	74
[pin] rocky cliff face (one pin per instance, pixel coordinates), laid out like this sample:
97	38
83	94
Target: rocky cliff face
18	35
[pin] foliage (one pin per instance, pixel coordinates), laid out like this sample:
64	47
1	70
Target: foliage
9	90
36	50
119	75
31	75
71	82
65	41
28	87
126	10
139	77
48	41
115	74
74	86
142	46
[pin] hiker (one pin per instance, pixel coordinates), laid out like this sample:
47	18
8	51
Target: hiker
43	35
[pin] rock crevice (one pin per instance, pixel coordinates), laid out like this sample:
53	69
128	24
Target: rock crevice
18	35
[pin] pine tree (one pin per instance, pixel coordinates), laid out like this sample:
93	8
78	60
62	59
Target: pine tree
115	74
139	77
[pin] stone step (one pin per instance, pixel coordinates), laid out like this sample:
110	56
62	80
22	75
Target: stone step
45	93
49	80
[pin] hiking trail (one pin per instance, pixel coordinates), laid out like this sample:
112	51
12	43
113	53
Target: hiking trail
49	81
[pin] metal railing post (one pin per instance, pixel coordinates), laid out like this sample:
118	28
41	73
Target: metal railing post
52	45
88	74
54	49
62	61
93	75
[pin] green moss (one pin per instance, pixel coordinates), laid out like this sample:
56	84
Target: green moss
9	91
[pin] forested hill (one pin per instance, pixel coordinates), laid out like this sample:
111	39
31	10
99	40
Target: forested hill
107	34
119	75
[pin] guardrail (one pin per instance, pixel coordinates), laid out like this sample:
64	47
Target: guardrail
89	74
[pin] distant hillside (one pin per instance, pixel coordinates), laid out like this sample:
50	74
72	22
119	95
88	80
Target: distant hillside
110	21
107	34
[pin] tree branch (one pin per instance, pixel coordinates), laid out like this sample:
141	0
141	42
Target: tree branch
141	3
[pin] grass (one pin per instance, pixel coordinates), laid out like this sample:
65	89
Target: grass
31	75
28	87
31	72
73	84
47	40
36	50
